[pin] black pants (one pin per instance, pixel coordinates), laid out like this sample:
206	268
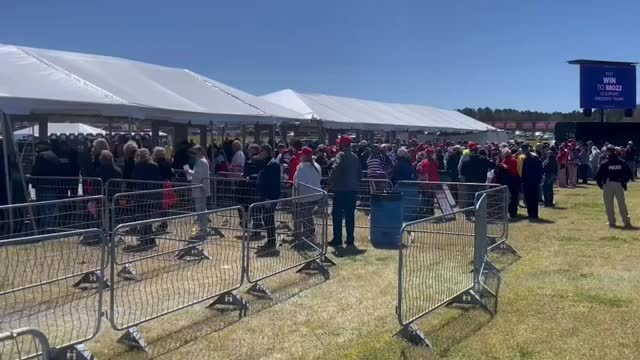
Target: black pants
583	171
514	199
344	207
266	214
531	198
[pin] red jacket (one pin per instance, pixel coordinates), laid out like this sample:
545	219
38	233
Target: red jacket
429	170
512	166
563	157
293	165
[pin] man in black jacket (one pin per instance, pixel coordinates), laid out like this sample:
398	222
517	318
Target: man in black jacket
531	177
613	175
473	169
268	188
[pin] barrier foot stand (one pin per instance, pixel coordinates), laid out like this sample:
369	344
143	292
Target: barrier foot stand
325	260
128	273
76	352
192	253
470	297
315	266
283	225
412	334
215	232
91	280
231	299
488	266
260	290
133	338
91	240
505	247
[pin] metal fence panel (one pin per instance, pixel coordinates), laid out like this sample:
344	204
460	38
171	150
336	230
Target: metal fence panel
186	266
161	200
497	199
37	218
25	343
285	233
363	198
436	263
53	282
423	199
231	189
46	188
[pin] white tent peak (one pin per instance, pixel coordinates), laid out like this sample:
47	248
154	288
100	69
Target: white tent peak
352	113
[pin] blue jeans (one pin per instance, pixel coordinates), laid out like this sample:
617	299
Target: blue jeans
547	189
344	206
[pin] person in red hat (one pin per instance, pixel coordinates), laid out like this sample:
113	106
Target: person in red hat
428	171
343	183
296	154
307	187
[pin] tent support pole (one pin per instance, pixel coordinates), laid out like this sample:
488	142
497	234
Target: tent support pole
243	129
273	135
5	158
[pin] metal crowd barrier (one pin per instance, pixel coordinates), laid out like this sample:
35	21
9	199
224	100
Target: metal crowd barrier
274	247
231	189
159	200
443	260
363	198
25	343
47	188
186	266
423	199
497	218
54	283
37	218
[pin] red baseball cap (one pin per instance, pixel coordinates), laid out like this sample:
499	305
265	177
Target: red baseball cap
345	140
307	151
472	146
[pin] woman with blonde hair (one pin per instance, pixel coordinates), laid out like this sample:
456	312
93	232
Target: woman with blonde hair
147	204
160	158
130	149
99	145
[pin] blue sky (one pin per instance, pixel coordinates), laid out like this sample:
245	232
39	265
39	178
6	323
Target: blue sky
444	53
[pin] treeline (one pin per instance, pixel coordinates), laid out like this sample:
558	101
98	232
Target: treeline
489	115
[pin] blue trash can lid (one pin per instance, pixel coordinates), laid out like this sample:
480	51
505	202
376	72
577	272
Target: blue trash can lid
387	196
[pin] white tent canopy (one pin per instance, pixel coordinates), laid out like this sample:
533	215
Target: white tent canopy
58	128
348	113
48	81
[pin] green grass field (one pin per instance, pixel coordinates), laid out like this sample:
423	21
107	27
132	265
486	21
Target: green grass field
572	295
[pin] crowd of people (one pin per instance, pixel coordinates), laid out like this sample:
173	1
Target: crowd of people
530	172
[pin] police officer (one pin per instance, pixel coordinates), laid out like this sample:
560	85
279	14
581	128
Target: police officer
530	170
612	177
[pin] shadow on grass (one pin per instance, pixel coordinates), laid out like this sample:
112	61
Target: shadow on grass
456	328
349	251
212	320
522	218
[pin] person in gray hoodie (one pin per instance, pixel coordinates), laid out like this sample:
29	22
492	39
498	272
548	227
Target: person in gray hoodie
343	183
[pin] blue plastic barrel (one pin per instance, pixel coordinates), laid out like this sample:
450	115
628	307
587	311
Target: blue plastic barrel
386	220
412	203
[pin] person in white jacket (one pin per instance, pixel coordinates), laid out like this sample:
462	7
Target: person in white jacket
307	190
200	176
